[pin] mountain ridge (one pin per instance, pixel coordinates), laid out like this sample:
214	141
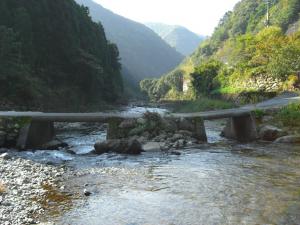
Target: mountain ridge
178	37
143	53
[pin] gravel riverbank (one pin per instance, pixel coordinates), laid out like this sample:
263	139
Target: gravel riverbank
24	189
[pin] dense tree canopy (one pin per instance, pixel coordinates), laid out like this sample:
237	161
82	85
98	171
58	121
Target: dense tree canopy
53	56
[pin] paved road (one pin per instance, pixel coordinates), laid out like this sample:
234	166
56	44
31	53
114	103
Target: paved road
277	102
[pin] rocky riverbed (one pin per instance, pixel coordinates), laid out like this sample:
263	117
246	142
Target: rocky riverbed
25	189
210	183
205	183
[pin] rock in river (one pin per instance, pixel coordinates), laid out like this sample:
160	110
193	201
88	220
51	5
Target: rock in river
292	139
122	146
270	133
5	156
86	192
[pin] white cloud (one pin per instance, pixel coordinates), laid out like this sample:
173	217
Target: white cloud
201	16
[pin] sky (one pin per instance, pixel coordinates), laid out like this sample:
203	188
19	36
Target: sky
200	16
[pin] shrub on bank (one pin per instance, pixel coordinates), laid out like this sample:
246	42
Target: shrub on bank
290	115
259	114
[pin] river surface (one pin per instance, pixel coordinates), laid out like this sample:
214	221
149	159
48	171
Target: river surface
222	182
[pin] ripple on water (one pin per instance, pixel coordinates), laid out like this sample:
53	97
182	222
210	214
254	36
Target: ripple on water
213	186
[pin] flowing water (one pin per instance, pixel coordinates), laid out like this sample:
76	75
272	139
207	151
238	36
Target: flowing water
221	182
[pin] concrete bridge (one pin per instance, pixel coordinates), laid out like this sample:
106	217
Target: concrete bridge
241	125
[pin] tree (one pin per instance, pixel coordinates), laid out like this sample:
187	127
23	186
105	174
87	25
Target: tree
203	77
15	85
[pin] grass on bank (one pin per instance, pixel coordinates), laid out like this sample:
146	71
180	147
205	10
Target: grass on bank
289	115
229	90
203	104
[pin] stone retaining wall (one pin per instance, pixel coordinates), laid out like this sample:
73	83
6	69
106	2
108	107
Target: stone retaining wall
263	83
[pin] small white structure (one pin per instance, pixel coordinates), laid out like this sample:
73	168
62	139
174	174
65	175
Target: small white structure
186	85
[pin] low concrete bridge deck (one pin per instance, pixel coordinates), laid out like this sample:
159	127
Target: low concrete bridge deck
277	102
105	117
241	126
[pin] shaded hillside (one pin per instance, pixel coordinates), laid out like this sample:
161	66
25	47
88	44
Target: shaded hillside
143	52
53	57
178	37
246	52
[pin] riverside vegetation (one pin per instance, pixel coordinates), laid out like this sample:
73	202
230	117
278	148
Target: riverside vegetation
247	57
290	115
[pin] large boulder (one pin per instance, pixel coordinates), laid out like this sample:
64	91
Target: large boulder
291	139
270	133
121	146
133	147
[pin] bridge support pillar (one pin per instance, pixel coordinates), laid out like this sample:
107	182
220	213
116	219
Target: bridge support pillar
114	131
199	129
241	128
35	134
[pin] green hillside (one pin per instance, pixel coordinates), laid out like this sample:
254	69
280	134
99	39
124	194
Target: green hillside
52	56
247	52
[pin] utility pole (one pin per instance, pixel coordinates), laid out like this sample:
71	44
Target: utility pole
268	13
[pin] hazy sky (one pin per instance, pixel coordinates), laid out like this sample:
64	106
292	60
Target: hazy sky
200	16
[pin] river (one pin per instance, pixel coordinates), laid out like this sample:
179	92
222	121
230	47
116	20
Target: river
222	182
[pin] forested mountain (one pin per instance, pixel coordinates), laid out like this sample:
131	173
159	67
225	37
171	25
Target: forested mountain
178	37
53	57
252	49
143	53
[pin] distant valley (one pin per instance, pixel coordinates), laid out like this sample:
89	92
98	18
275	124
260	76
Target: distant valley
143	53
